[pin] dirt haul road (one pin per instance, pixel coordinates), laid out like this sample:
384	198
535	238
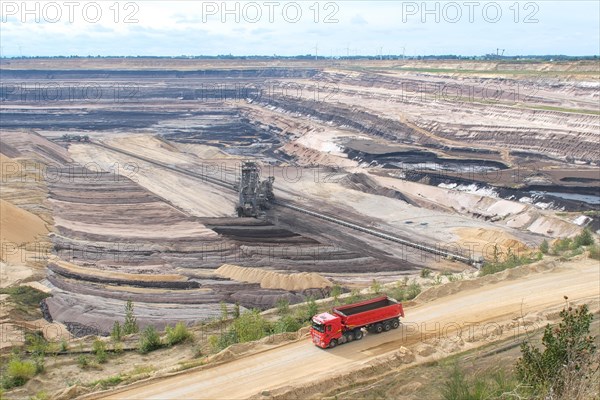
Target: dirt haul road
302	365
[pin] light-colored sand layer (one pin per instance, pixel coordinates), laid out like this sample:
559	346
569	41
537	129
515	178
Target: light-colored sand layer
117	275
274	280
19	226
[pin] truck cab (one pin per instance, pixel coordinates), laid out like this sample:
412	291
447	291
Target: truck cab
325	327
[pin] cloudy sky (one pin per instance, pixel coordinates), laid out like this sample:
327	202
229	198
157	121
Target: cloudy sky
330	28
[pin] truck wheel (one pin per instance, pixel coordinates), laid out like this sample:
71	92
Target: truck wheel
378	328
332	344
387	326
349	337
358	334
395	324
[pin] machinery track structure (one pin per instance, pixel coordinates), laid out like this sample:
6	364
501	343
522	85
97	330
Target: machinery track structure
291	206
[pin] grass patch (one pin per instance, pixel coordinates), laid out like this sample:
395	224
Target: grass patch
177	335
149	340
107	382
486	385
25	295
17	373
190	364
595	252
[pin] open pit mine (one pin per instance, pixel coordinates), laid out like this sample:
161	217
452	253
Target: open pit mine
185	185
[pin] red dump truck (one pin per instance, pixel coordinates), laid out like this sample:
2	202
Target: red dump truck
344	324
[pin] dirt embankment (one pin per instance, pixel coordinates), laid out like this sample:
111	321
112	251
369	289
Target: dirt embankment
19	227
274	280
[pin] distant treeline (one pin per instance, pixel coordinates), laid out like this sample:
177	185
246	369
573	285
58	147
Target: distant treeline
496	57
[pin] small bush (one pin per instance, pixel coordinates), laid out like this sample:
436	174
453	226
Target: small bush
544	247
130	325
569	353
224	311
213	342
18	373
283	306
108	382
595	252
39	363
486	385
251	325
376	286
64	346
41	395
226	339
83	361
354	297
36	343
312	308
585	238
336	291
178	334
287	324
149	340
561	245
99	350
425	273
116	334
413	290
117	347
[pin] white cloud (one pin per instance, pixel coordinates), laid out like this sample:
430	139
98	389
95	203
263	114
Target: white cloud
200	27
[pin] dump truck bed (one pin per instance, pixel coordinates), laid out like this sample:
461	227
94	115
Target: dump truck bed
369	311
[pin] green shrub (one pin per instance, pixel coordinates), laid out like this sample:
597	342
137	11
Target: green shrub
336	291
213	342
36	343
17	373
425	273
413	290
117	347
149	340
83	361
41	395
130	325
569	351
39	363
226	339
116	334
585	238
236	310
287	323
251	325
486	385
25	295
544	247
224	311
561	245
178	334
108	382
511	261
376	286
595	252
64	346
283	306
99	349
312	309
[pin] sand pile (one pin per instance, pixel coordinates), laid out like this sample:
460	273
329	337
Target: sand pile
17	228
274	280
483	240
